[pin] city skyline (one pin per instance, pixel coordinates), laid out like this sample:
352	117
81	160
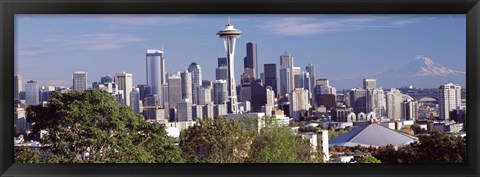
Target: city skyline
127	37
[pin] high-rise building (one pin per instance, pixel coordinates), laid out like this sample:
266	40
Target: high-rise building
205	95
298	103
310	69
45	93
197	112
221	73
245	92
449	99
80	81
259	96
165	96
135	102
220	92
106	79
144	91
306	81
250	61
270	98
322	82
174	89
186	85
196	71
247	76
369	84
394	104
207	83
155	64
270	71
322	87
229	35
184	110
32	93
358	100
297	77
409	110
125	82
219	110
262	76
17	87
222	61
376	102
286	74
208	111
327	100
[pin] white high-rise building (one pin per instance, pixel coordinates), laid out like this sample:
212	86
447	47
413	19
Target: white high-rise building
376	102
369	84
156	76
220	91
80	81
205	95
409	110
286	74
270	101
229	35
298	102
17	87
394	102
449	99
297	77
124	82
184	110
196	71
32	93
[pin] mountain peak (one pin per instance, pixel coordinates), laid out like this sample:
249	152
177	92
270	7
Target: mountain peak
424	66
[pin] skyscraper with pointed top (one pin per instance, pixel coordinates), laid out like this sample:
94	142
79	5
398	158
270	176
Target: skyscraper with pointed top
287	81
196	71
229	35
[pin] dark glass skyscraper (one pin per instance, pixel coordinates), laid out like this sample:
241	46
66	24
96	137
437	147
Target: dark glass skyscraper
106	79
250	61
222	62
270	72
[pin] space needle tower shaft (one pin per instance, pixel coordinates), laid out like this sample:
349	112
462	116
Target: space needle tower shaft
229	35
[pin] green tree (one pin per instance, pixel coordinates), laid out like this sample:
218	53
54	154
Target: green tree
440	148
92	127
389	154
435	147
369	159
280	145
216	141
24	154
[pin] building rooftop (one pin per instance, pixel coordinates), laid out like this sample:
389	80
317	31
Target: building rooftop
372	135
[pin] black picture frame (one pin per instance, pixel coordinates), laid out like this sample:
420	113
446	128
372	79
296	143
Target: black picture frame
8	8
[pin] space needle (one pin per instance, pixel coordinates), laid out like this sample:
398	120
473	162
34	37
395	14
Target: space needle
229	35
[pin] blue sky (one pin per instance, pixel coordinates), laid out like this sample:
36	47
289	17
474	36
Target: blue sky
49	48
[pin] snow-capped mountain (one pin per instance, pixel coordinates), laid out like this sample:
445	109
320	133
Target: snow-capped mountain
421	72
427	67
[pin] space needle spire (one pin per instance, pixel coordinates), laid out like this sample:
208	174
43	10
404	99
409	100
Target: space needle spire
229	35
